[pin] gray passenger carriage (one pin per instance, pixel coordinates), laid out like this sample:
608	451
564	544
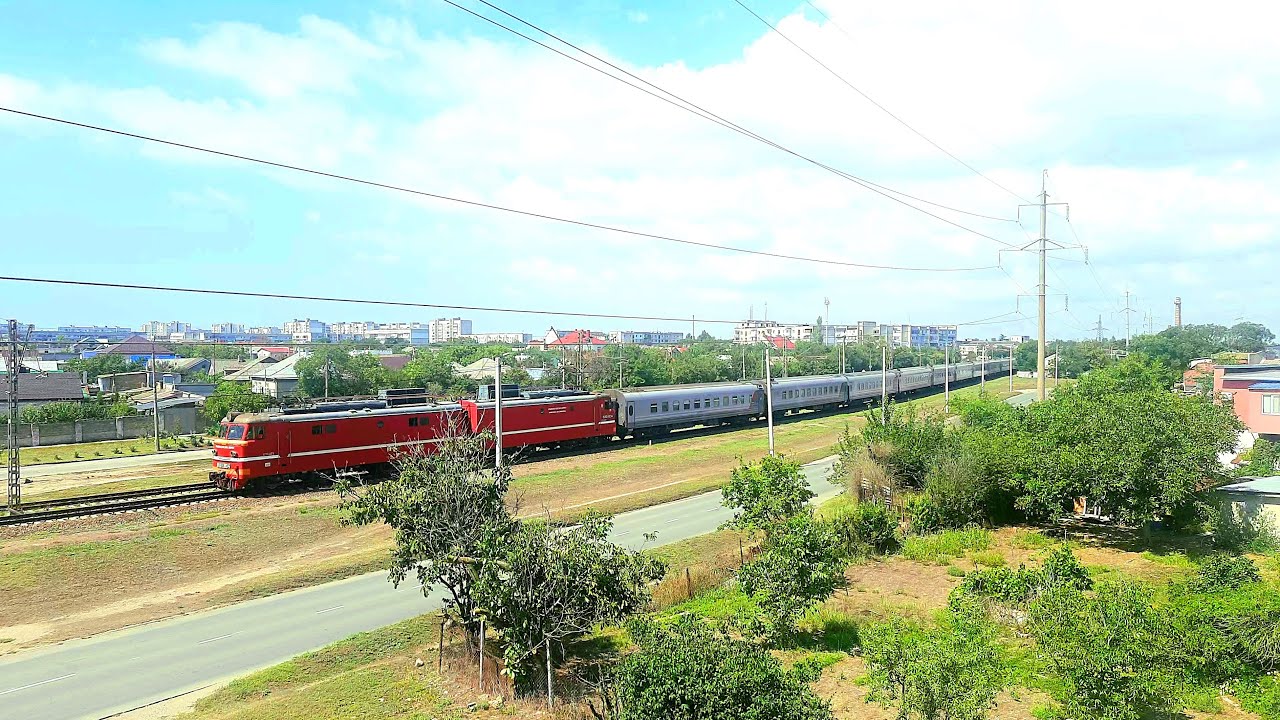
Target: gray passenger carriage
814	391
676	406
866	385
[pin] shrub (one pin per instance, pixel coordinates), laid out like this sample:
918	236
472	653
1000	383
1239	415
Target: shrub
799	565
1062	567
1227	633
765	492
908	444
940	548
923	515
865	527
1112	653
953	671
688	670
1243	532
989	558
1224	571
958	491
1017	587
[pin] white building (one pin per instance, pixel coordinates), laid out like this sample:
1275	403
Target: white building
228	328
165	328
306	330
265	330
446	329
645	337
752	332
351	330
510	338
413	333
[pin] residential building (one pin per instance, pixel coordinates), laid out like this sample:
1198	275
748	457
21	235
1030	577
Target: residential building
510	338
760	331
446	329
164	328
1254	391
1256	500
412	333
646	337
228	328
39	389
77	333
264	330
574	339
306	330
350	330
278	379
135	349
918	336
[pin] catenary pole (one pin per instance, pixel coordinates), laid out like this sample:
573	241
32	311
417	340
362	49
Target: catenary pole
14	467
1010	369
497	413
884	384
155	393
768	397
1040	289
946	379
982	384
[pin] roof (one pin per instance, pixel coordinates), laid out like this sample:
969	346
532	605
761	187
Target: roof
482	368
182	364
283	350
579	337
1255	486
284	370
394	362
33	365
1266	385
249	369
782	343
35	387
136	345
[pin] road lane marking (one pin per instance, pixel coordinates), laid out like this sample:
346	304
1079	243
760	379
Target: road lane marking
671	520
220	637
335	607
35	684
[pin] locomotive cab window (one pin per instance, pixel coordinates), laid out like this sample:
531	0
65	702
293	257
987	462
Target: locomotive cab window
259	432
330	429
413	422
317	429
235	432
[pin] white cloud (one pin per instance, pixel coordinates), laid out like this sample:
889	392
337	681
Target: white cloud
1009	87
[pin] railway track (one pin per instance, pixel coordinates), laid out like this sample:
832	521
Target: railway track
86	505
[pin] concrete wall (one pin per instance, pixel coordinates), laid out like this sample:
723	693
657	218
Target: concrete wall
173	421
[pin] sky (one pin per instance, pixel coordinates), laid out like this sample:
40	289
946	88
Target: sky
1157	123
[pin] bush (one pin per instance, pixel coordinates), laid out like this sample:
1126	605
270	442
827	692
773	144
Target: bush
1227	634
958	491
865	527
1224	571
923	515
940	548
1243	532
1018	587
1113	654
908	444
799	565
765	492
953	671
688	670
1062	567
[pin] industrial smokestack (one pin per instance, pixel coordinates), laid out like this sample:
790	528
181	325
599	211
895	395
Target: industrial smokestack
1177	312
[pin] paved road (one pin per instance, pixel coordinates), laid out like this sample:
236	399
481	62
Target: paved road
115	463
1026	397
127	669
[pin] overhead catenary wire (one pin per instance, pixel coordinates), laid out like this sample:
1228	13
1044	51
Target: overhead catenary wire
691	107
476	203
871	100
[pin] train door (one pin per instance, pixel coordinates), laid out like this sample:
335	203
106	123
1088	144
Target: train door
631	414
283	443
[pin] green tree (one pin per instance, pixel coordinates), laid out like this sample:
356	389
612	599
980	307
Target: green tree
766	492
799	565
62	412
229	397
1261	460
553	584
106	364
688	671
448	508
1026	355
951	672
908	444
1112	653
212	351
1248	337
349	373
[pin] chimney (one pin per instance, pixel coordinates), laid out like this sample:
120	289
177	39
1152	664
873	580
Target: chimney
1177	312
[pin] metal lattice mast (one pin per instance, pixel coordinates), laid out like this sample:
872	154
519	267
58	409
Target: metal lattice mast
11	444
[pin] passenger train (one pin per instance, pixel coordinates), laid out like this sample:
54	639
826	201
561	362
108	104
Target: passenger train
261	449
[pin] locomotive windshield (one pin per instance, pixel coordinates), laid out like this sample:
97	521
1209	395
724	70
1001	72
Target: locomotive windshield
233	432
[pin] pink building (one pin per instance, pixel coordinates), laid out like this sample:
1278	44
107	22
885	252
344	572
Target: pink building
1255	394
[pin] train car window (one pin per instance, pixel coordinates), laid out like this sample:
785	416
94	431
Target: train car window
317	429
653	407
686	404
697	405
631	410
725	400
331	428
413	422
666	406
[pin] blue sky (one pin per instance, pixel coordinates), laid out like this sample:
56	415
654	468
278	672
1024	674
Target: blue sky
1160	132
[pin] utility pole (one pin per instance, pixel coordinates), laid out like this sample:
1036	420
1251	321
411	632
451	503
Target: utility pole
326	379
884	384
155	393
1127	312
1057	360
1010	369
844	343
768	397
497	413
946	379
982	384
1042	249
15	470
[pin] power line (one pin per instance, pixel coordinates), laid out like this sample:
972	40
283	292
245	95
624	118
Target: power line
871	100
475	203
694	108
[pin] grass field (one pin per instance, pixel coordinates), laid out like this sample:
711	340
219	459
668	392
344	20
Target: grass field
100	450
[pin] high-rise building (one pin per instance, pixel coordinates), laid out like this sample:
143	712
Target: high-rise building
446	329
165	328
306	330
645	337
752	332
228	328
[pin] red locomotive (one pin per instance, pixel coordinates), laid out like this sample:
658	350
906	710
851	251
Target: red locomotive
257	449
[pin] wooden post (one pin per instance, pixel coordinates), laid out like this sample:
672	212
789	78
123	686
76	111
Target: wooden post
741	558
548	641
688	584
482	654
440	655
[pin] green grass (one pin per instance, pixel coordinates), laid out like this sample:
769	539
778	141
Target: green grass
941	548
1172	559
832	630
96	450
1030	540
718	605
987	558
954	571
141	483
369	675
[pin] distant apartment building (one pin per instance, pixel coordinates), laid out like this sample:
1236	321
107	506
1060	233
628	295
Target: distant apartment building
646	337
862	331
265	330
447	329
510	338
306	330
80	333
753	332
227	328
413	333
165	328
350	330
920	336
